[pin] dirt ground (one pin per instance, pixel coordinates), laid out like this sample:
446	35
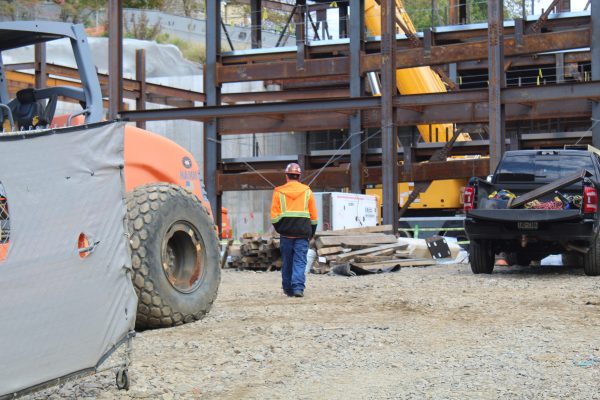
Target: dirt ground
424	333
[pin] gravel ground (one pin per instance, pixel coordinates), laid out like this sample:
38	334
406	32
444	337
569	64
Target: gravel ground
437	332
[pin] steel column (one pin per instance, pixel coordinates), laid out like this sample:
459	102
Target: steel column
3	85
212	148
560	68
343	20
256	23
496	80
389	137
301	32
115	57
595	49
140	76
357	27
453	73
41	72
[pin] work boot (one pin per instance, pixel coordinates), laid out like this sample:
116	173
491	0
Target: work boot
298	293
288	293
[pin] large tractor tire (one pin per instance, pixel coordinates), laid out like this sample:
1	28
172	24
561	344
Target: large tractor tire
591	259
481	256
175	255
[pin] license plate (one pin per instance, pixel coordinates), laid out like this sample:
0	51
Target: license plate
527	225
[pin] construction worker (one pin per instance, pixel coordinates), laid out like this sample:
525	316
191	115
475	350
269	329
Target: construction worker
294	216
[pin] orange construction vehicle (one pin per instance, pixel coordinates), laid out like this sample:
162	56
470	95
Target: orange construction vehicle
174	244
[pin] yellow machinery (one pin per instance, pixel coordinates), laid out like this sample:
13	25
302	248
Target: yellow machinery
442	194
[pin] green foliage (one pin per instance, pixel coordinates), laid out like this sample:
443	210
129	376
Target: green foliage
148	4
192	6
193	51
140	28
17	9
421	14
79	11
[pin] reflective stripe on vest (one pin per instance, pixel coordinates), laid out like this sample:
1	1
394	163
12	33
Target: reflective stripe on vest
293	214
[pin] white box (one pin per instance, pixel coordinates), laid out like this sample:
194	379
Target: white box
345	210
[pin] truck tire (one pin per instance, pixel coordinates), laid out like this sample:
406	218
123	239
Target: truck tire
174	254
591	259
481	256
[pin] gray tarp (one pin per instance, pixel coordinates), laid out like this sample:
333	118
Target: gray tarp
60	313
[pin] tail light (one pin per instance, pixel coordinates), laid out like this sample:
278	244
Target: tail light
469	198
590	200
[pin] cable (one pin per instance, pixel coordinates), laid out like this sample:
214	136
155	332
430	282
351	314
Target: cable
589	130
333	157
249	166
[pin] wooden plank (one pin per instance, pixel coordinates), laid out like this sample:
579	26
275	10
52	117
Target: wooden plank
351	241
373	259
354	231
352	254
330	250
549	188
403	263
386	252
374	238
226	253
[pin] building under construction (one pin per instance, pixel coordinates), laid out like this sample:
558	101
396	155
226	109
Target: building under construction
380	102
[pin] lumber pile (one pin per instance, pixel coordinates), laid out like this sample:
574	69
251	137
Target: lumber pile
369	248
256	252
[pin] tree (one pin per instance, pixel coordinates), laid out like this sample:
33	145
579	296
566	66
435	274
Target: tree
15	9
148	4
141	28
191	6
79	11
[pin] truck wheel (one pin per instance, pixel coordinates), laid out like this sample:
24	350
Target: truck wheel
175	255
481	256
591	259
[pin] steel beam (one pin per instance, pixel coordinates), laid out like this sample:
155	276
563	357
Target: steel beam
115	58
212	148
343	20
560	67
41	72
140	76
339	177
357	27
595	49
301	32
463	106
256	23
496	81
441	54
389	136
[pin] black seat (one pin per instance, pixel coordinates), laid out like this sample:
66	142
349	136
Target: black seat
30	112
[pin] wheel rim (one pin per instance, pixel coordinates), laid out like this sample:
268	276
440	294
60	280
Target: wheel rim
183	257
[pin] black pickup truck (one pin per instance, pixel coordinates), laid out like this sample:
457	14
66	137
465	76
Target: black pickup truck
537	203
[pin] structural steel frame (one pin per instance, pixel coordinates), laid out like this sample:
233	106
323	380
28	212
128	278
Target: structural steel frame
323	88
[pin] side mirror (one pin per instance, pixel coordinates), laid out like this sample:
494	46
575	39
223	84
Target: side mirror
488	179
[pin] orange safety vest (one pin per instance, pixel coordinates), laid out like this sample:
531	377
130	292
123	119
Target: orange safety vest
294	210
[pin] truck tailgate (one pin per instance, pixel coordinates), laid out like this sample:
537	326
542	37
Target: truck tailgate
525	215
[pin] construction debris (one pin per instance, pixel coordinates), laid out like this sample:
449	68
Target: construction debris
257	252
356	251
362	251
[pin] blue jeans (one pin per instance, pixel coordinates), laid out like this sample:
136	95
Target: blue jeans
293	255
